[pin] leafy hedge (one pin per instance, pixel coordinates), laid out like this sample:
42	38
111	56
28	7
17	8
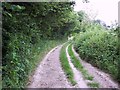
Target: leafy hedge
29	30
21	59
99	47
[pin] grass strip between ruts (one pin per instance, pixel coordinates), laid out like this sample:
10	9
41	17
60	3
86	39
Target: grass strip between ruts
65	65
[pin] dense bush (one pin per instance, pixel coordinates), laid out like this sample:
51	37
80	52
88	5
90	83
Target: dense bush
99	47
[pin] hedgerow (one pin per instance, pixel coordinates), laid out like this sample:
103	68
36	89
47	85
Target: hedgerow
99	47
29	30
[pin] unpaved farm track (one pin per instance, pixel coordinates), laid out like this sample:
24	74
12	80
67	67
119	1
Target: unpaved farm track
49	73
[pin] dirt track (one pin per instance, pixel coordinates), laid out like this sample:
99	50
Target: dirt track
49	73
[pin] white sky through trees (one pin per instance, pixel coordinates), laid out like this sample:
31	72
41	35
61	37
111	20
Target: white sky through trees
105	10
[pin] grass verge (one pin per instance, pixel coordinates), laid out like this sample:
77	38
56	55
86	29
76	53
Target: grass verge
65	65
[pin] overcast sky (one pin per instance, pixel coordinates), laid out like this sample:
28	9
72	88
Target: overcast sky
106	10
